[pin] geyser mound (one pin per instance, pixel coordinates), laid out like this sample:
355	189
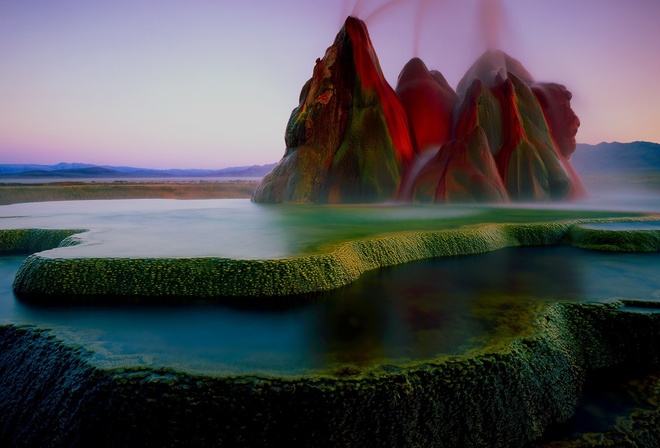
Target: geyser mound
348	139
353	138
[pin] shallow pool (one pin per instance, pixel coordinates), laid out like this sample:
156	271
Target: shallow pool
238	228
417	310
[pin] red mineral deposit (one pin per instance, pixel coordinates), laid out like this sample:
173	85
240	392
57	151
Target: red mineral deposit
353	138
530	133
462	171
555	100
429	102
348	139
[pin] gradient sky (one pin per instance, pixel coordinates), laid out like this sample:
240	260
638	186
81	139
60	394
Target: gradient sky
210	84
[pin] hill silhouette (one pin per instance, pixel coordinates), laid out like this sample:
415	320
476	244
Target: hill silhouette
616	157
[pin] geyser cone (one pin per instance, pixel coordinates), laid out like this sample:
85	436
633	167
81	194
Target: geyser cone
462	171
529	162
429	102
353	138
524	126
348	139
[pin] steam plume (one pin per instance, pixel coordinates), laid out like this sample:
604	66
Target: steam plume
419	14
381	9
491	21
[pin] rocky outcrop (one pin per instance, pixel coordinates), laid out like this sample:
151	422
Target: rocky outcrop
353	139
498	95
348	139
462	171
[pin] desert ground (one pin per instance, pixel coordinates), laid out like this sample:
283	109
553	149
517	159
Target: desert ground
13	193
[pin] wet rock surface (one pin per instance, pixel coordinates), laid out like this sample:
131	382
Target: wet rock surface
505	395
88	279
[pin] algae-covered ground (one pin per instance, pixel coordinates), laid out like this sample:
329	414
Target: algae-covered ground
401	364
508	395
240	249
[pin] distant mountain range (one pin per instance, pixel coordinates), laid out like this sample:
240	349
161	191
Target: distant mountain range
602	158
83	170
616	157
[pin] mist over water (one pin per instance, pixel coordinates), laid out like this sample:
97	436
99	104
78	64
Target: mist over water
622	191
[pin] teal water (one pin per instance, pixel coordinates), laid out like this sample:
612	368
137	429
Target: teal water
238	228
650	225
417	310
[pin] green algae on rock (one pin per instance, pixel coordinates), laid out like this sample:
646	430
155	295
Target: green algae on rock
48	392
208	277
13	241
612	237
506	394
348	140
612	338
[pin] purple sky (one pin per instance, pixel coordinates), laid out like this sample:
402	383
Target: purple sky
209	84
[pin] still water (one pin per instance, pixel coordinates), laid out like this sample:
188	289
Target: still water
238	228
417	310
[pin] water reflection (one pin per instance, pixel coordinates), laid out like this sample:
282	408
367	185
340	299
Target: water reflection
446	305
418	310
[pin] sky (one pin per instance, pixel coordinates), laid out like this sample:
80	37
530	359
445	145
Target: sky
211	84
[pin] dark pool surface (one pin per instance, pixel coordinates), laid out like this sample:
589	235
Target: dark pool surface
608	395
417	310
639	225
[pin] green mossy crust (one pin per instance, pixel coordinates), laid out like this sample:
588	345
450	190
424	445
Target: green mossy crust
47	391
607	335
500	396
21	241
642	240
340	265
